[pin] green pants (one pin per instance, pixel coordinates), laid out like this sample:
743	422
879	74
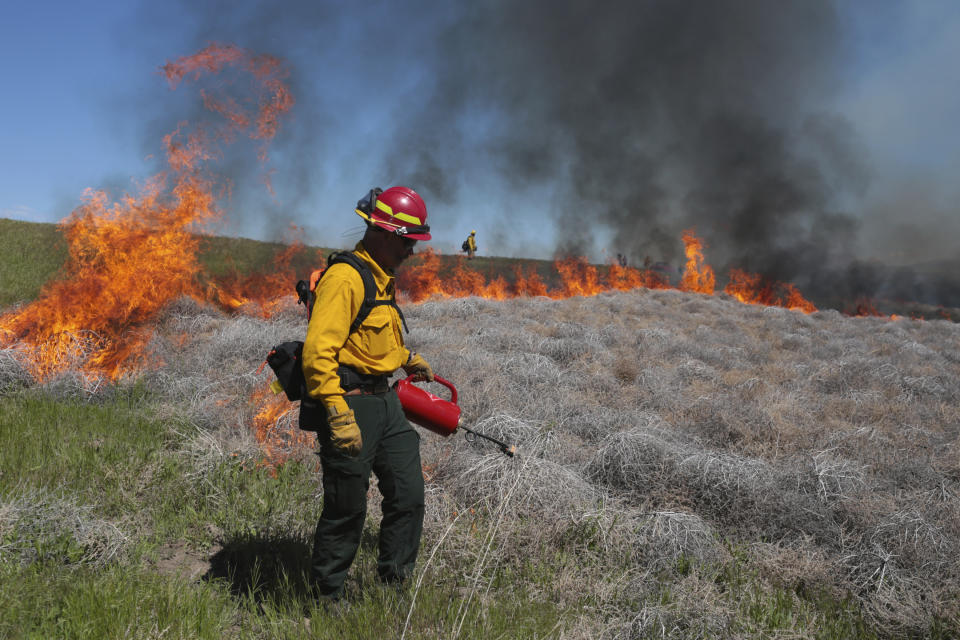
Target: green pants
391	449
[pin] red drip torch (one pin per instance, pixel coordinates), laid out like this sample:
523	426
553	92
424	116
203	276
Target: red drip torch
439	415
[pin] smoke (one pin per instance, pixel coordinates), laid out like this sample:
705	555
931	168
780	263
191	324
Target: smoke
638	118
652	117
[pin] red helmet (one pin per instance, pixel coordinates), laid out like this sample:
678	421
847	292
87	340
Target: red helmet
398	209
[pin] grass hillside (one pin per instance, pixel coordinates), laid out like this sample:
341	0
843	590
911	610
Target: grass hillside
31	253
688	467
34	252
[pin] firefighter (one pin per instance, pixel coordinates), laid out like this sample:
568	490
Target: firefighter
361	426
470	244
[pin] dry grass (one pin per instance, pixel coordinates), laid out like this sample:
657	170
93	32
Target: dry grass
831	441
35	525
12	372
667	426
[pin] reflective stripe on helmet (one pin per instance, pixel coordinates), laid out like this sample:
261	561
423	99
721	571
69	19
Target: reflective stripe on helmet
407	218
399	215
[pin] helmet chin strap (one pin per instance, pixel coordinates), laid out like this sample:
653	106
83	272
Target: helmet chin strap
402	231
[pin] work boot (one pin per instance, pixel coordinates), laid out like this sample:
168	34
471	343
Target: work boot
326	605
396	590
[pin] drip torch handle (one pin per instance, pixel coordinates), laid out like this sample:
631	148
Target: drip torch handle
448	385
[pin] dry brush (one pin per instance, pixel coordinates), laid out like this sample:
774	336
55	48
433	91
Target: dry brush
653	427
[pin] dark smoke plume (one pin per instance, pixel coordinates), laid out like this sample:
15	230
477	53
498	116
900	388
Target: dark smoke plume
655	116
640	118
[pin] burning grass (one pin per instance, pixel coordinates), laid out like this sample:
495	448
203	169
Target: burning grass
133	256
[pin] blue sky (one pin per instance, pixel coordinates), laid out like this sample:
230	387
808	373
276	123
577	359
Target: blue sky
83	106
903	89
904	97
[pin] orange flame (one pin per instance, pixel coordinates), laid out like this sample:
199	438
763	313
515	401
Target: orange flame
128	259
264	290
626	278
578	278
752	288
275	428
529	285
428	277
865	309
698	276
575	277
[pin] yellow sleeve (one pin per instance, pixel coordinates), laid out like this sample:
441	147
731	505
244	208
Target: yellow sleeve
339	296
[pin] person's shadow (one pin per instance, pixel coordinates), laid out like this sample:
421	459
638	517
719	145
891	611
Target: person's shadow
263	567
277	567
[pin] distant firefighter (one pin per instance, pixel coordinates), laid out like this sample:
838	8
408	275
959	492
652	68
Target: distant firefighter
470	244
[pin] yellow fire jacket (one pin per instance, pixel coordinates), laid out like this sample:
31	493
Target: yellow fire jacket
471	243
375	348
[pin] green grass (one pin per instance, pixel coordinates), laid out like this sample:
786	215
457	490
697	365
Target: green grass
127	463
46	600
250	528
106	454
42	601
221	256
764	608
31	253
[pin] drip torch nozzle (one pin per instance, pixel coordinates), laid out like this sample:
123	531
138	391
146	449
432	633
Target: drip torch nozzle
507	449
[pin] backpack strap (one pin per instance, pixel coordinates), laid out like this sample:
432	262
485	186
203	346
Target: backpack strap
369	289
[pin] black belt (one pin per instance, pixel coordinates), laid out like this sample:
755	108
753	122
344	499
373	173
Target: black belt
351	379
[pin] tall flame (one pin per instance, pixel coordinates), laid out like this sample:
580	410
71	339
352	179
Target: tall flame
698	276
127	259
